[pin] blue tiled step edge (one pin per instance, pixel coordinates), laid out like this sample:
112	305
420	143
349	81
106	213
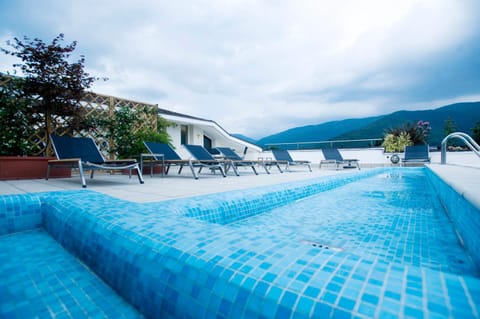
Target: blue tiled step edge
39	279
170	265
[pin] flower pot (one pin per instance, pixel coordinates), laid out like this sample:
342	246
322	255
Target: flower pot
29	167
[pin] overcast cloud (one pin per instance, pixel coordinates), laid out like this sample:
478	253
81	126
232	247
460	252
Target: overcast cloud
260	67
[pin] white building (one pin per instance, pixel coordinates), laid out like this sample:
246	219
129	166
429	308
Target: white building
194	130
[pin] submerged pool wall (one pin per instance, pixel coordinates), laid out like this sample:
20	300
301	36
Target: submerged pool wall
19	213
181	259
462	213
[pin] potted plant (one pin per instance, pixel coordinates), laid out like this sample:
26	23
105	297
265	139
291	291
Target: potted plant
45	100
408	134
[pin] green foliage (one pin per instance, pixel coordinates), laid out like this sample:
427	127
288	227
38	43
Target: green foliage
476	132
54	84
128	142
449	126
15	125
396	142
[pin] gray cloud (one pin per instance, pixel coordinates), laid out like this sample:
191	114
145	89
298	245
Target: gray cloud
258	67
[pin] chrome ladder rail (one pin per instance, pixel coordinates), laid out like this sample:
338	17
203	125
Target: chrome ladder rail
467	139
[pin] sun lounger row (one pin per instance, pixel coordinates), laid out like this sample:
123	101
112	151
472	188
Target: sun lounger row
82	153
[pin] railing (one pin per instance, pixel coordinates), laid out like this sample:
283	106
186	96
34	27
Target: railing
366	142
467	139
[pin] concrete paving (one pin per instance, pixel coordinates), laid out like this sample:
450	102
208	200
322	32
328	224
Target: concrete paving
159	188
465	180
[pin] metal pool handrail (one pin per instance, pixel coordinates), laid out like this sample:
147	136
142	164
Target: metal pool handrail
467	139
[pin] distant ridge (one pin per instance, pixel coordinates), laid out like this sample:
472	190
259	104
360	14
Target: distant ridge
245	138
464	115
319	132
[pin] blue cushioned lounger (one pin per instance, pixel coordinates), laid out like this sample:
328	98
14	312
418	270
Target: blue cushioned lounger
284	156
416	154
172	158
333	156
83	153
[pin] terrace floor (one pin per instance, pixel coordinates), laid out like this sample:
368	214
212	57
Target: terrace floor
465	180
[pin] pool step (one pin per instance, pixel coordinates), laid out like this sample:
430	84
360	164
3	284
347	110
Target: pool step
39	279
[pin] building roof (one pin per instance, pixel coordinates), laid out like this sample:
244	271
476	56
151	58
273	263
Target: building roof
185	116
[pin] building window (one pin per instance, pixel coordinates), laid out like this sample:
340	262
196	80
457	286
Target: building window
184	134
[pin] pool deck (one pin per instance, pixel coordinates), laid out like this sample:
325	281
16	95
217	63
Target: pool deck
158	188
464	179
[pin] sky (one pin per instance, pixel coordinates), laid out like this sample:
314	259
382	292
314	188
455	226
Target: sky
261	67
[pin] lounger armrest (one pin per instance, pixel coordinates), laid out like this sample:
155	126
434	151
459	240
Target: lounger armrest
120	161
64	161
155	155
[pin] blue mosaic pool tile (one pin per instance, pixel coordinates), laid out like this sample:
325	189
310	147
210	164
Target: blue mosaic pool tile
165	262
19	213
464	215
40	279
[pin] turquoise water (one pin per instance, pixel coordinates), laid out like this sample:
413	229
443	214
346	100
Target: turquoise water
395	217
370	244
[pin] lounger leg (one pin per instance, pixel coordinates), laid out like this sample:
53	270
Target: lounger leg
279	168
180	169
254	170
48	172
221	171
193	170
266	168
82	176
309	167
91	174
235	170
139	173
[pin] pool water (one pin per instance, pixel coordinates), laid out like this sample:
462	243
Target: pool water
395	217
369	244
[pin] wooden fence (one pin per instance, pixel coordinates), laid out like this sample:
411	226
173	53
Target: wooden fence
95	106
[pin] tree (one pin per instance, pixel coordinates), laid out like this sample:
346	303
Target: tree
449	126
54	84
14	123
476	132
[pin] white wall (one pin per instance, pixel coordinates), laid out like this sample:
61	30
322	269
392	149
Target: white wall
371	157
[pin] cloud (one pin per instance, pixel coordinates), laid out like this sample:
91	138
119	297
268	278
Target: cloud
258	67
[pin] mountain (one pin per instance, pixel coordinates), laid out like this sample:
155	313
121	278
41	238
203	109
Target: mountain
464	115
245	138
319	132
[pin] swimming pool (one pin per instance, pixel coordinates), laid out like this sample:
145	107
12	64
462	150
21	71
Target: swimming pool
252	254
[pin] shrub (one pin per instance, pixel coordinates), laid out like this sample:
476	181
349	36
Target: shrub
396	143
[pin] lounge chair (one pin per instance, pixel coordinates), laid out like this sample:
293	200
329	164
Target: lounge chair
416	154
238	161
170	157
204	159
284	156
333	156
83	153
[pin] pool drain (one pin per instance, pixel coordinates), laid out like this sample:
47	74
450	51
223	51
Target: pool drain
321	246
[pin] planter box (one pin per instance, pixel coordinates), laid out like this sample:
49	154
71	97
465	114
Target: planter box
29	167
